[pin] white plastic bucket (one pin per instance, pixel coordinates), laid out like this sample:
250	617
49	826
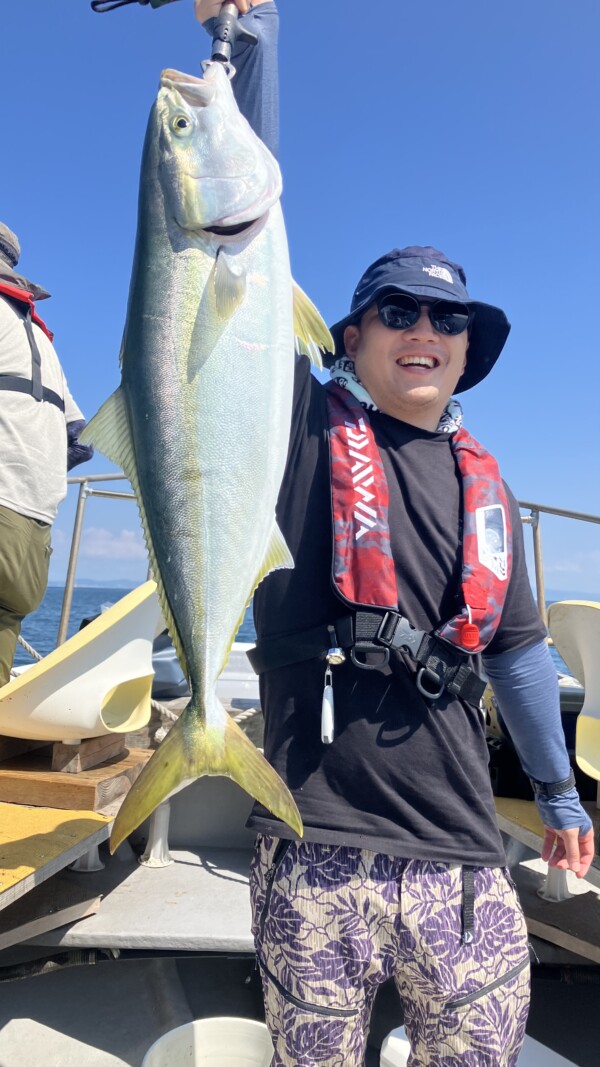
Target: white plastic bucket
218	1042
396	1050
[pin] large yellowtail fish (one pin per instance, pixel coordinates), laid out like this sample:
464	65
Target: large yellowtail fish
200	423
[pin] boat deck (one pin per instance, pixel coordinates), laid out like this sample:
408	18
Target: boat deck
36	843
200	903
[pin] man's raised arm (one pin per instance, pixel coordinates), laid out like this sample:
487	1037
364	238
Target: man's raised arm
256	79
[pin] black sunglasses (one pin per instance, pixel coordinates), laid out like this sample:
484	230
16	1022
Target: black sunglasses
400	312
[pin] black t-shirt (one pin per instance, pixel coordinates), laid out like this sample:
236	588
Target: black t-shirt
402	776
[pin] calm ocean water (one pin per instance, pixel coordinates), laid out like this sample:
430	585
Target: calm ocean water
40	628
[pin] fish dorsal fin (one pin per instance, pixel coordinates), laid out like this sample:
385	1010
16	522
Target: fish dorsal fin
110	432
312	335
229	280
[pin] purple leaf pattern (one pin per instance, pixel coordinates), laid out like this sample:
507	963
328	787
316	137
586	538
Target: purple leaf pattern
331	923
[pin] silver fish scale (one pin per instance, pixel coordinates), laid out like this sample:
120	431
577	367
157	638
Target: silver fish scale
211	451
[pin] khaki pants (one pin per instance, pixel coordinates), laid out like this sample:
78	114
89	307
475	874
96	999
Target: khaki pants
24	561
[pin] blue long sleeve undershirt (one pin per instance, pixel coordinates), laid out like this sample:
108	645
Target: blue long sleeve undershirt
526	690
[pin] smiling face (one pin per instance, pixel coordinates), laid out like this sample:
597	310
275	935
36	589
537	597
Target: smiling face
409	374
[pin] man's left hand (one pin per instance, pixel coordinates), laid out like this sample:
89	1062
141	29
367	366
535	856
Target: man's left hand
568	850
207	9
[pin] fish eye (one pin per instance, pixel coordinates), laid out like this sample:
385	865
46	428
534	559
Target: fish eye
180	123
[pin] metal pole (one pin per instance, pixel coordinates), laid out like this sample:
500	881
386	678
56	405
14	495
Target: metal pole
70	579
539	566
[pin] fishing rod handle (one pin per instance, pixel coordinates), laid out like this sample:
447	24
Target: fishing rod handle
227	31
102	6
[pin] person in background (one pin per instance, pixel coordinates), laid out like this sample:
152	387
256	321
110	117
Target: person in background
409	567
39	428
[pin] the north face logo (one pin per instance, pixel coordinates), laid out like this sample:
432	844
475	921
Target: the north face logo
439	272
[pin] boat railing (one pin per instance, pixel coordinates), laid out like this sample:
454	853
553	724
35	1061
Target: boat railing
87	488
534	520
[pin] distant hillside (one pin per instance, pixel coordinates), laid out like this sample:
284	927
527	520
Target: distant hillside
93	583
569	594
127	583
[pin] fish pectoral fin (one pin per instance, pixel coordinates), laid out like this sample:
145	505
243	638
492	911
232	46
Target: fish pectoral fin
229	281
190	750
312	335
109	432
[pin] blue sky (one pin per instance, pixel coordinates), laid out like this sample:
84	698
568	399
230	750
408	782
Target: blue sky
470	126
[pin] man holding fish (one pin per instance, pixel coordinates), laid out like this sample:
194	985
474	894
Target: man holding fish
368	654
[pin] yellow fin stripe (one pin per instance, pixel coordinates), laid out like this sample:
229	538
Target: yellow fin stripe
312	335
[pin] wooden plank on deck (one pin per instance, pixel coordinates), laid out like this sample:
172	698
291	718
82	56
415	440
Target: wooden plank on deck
27	780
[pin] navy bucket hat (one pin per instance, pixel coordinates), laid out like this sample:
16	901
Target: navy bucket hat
428	273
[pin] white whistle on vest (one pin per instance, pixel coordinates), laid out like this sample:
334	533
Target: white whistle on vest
327	721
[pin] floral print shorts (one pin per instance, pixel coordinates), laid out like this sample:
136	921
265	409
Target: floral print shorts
331	923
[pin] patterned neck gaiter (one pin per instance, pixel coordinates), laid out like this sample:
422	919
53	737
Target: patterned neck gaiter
344	375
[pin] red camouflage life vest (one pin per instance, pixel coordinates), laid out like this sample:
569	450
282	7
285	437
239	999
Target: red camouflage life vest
16	382
363	569
15	293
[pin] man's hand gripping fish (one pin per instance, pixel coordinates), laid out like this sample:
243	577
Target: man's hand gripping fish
200	423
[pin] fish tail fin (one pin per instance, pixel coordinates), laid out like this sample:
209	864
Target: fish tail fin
247	766
164	771
192	749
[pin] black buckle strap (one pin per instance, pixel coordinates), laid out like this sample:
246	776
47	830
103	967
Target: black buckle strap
441	665
14	384
283	651
370	636
36	359
468	905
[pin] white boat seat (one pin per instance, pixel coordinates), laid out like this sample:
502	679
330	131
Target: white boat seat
575	629
98	682
396	1049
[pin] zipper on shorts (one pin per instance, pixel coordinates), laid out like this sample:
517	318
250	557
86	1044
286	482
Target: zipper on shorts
469	998
316	1009
279	854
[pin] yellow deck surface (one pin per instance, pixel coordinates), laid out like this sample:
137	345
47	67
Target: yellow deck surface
523	812
37	842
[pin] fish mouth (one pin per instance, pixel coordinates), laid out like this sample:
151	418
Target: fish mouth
225	233
230	231
197	92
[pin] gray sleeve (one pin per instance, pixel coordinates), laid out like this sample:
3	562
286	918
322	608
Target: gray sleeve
256	84
526	689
